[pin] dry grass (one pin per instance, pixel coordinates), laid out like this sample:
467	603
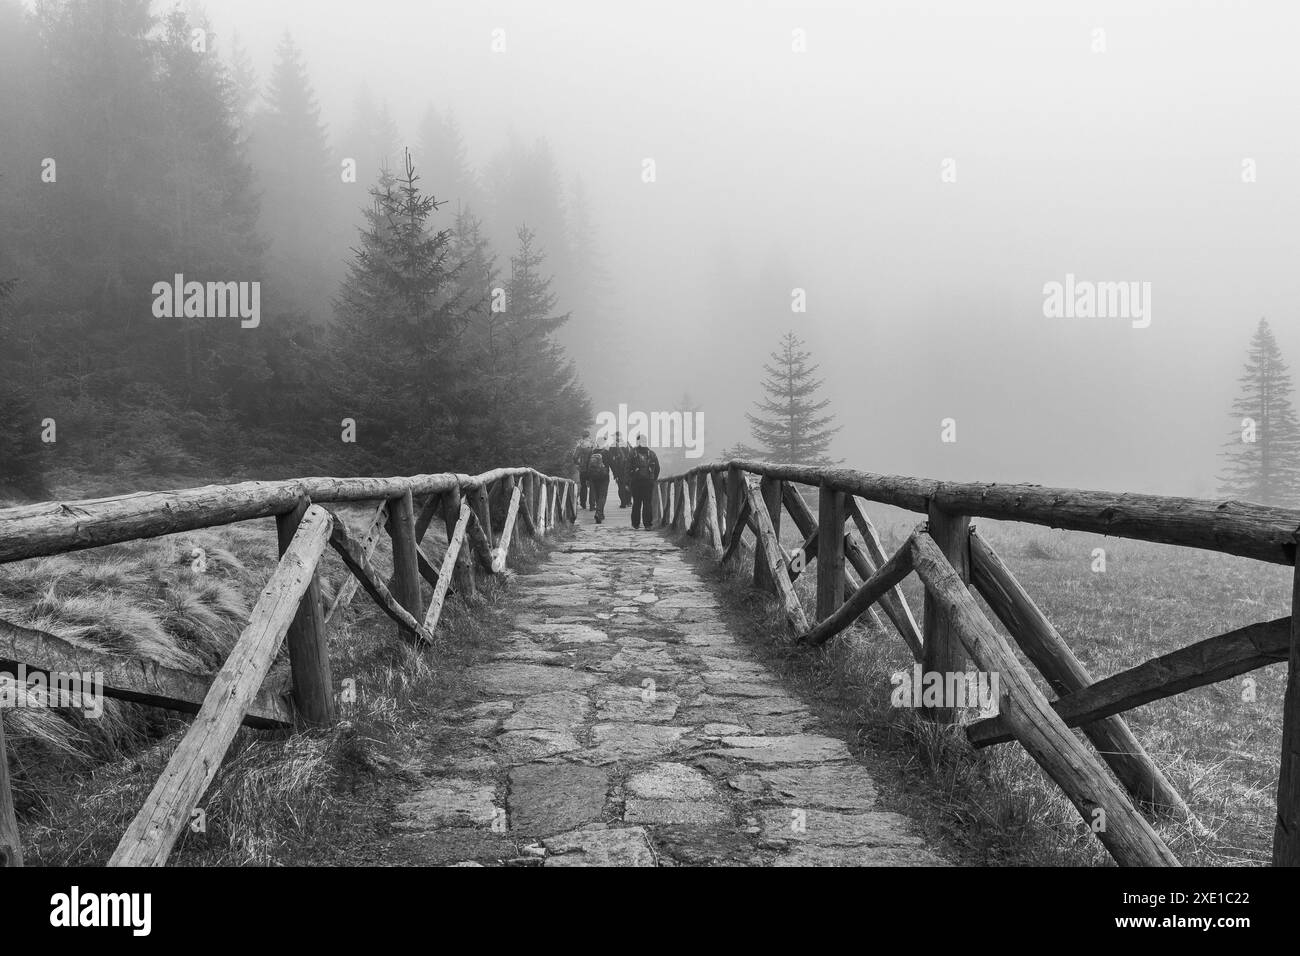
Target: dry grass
995	806
280	797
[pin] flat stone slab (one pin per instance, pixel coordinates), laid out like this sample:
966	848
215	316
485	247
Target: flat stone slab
706	846
757	706
626	846
670	781
800	748
829	828
617	702
524	746
553	798
449	803
833	787
573	633
694	812
558	710
809	854
516	679
731	688
629	741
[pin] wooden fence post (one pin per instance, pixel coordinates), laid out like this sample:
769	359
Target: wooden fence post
942	651
732	498
462	576
11	850
483	509
656	506
307	639
406	564
1286	831
830	551
770	491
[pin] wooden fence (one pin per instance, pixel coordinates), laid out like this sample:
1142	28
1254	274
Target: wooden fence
289	610
1113	783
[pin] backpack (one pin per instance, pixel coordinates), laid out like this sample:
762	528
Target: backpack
641	467
596	466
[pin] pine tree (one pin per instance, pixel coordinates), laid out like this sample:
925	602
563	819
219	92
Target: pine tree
399	318
1264	455
789	428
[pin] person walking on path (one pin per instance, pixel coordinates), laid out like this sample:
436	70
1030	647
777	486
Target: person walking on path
621	453
581	452
597	472
642	470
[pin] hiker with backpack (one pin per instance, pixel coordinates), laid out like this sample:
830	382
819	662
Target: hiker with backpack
620	453
581	453
596	473
642	470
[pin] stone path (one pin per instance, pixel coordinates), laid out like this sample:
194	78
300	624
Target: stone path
626	724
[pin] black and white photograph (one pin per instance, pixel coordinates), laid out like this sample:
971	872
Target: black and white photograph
518	434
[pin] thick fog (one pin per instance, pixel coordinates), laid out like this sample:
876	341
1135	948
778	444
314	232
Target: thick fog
921	170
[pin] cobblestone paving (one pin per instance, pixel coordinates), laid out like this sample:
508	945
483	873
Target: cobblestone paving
624	723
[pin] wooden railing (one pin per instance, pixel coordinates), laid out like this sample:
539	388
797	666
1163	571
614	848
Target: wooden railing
719	502
289	610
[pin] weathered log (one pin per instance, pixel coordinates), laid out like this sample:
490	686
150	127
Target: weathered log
770	491
1232	527
676	521
154	831
360	565
526	517
806	524
856	555
809	551
1065	674
887	576
462	575
1077	771
731	503
941	650
11	846
478	500
712	532
369	541
1205	662
895	602
768	549
405	583
478	542
455	539
131	678
429	507
307	640
508	528
1286	829
743	520
830	552
704	498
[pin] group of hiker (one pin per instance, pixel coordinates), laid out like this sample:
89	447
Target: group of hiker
634	469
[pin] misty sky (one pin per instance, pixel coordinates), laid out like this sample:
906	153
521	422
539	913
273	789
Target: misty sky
822	170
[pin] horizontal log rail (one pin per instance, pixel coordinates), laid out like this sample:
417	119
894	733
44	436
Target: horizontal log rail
290	611
951	559
1232	527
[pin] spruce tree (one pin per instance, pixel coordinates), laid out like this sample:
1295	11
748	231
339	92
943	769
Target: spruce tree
790	428
1264	455
399	319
